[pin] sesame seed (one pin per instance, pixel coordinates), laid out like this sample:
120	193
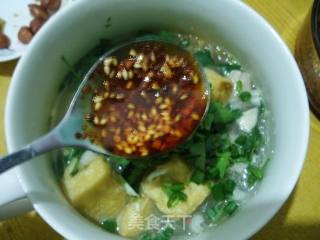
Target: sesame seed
106	70
120	96
129	84
96	120
137	65
177	118
163	106
97	106
133	52
143	94
195	116
112	73
195	79
124	74
144	117
141	128
152	57
130	114
175	89
112	95
103	121
130	74
155	86
113	119
131	106
153	111
165	69
167	101
107	61
118	75
184	96
158	100
106	95
114	61
97	99
128	150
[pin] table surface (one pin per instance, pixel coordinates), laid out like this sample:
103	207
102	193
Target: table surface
299	218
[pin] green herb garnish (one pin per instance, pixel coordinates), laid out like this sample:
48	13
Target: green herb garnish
164	234
198	176
231	207
239	86
110	225
222	164
250	143
223	189
245	96
224	114
175	193
204	58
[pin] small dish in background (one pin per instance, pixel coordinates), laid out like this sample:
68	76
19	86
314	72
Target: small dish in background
15	15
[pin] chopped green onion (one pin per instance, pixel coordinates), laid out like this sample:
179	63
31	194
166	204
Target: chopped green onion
239	86
231	207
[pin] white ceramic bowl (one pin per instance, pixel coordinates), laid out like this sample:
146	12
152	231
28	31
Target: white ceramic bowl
228	22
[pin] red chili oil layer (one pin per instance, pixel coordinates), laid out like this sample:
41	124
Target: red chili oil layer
152	99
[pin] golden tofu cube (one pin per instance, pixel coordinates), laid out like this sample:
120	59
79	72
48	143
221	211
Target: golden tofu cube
94	191
133	218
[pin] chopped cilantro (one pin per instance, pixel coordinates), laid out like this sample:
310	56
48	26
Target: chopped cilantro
165	234
198	176
223	163
250	143
204	57
120	163
245	96
110	225
223	189
175	193
224	114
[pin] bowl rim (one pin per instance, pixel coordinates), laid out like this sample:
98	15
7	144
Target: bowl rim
46	213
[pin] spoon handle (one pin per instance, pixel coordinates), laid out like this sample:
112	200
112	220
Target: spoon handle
37	147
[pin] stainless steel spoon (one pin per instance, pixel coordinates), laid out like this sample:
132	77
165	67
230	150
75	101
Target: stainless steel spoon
63	135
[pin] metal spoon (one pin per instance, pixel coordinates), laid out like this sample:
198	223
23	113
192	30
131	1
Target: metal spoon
64	134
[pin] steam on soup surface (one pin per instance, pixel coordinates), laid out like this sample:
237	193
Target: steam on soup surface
190	188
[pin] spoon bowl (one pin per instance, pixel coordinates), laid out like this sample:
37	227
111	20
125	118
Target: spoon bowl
65	134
